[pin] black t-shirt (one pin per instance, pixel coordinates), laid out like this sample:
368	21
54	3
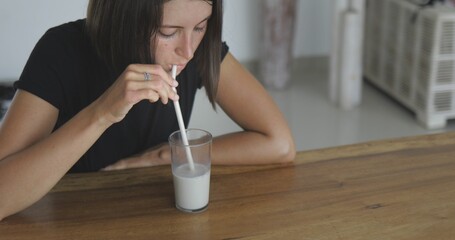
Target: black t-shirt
65	71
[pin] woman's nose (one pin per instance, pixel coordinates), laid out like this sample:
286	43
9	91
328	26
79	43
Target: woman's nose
185	48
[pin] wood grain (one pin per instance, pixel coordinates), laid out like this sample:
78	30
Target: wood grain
391	189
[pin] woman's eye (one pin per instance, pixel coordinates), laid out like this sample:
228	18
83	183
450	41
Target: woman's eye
200	28
166	34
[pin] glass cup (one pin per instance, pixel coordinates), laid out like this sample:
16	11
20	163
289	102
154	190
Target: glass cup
191	184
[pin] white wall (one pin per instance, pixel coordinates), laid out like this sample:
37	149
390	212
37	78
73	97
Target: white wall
243	25
22	23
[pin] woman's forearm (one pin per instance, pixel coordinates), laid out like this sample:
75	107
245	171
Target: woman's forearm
28	175
252	148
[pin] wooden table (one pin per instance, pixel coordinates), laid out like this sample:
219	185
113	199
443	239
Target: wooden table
393	189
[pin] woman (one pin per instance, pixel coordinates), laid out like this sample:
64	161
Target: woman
94	95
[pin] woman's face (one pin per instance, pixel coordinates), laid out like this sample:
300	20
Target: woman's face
184	26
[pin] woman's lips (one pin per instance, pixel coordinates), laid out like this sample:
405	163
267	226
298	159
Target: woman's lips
180	67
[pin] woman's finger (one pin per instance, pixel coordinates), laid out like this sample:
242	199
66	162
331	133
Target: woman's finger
153	90
154	71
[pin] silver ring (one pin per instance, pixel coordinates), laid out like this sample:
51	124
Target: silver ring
147	76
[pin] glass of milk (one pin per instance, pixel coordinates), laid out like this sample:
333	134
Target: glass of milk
191	181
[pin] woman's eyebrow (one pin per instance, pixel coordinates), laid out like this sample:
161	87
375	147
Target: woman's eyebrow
172	26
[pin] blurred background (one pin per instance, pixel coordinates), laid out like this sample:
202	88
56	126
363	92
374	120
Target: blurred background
23	22
315	116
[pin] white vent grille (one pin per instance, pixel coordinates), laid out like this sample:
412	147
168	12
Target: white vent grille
423	71
447	38
445	72
443	101
428	27
410	54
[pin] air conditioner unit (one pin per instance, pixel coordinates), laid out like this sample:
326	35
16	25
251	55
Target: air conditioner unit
409	52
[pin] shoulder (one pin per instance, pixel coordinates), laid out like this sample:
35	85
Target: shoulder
61	51
67	29
65	35
60	47
58	42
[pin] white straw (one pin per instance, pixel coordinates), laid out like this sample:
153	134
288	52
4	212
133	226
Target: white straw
178	112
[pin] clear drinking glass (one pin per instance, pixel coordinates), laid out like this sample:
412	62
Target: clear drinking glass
191	169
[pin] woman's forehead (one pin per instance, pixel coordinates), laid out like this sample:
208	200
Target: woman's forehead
186	11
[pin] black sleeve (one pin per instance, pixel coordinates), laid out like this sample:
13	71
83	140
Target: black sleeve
224	50
41	72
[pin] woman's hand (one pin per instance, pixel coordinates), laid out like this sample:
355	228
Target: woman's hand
158	155
131	87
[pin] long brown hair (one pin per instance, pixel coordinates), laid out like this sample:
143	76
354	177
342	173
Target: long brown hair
120	31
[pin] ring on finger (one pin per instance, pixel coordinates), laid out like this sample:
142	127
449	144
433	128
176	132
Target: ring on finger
147	76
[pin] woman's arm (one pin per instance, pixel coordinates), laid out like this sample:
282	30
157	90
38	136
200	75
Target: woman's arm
266	137
33	158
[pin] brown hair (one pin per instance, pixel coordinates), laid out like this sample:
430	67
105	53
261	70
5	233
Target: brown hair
120	31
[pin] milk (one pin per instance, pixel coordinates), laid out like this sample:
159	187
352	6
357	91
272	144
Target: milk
191	187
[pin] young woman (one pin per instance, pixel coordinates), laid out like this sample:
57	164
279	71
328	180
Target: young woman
96	94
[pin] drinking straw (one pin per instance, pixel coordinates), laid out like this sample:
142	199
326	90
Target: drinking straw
178	112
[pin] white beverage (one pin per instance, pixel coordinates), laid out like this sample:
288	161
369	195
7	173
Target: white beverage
191	187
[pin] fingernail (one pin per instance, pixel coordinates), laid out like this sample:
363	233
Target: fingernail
175	83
